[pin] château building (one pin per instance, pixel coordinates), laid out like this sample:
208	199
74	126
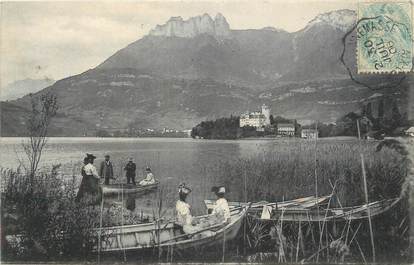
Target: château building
258	119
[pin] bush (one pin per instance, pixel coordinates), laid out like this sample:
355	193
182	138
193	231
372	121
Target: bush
44	218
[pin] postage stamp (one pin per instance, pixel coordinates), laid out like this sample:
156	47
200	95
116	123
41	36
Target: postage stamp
384	37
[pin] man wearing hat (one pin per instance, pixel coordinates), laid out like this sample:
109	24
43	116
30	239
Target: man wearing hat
130	169
221	208
107	170
149	179
90	180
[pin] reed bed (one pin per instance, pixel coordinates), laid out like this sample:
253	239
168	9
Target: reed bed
288	172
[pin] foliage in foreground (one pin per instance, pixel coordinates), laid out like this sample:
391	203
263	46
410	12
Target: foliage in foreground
42	219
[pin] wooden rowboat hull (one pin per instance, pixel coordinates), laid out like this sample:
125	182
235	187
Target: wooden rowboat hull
114	189
338	214
302	203
165	235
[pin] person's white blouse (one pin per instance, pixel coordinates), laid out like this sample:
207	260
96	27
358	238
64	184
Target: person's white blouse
222	208
91	170
183	213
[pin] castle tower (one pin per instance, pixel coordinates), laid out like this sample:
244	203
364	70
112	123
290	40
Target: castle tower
266	113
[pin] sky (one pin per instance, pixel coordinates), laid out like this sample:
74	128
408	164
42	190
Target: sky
60	39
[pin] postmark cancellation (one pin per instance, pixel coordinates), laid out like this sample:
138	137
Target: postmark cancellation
384	37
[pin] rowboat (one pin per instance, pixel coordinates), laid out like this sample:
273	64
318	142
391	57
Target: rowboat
305	210
113	189
359	212
302	203
166	234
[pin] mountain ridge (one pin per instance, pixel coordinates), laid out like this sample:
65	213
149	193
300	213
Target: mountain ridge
177	27
176	82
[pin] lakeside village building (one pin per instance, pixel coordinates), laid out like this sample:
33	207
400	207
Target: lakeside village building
286	129
309	133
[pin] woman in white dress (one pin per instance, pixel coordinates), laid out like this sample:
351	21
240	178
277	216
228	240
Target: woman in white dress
149	178
221	209
183	211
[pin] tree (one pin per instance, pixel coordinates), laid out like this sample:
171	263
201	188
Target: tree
43	109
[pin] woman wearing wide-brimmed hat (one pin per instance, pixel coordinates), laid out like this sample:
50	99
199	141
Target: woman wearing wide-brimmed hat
221	208
90	181
184	218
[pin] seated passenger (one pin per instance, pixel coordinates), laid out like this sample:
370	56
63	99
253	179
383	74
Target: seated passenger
221	208
149	179
183	211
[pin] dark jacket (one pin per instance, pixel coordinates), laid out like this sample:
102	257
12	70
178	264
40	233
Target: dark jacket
107	170
130	169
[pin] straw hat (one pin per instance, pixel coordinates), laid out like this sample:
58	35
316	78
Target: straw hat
90	156
218	189
182	188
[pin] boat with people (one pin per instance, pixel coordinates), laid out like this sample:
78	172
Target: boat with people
163	234
119	188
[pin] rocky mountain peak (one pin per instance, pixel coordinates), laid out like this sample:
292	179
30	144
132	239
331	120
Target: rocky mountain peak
204	24
340	19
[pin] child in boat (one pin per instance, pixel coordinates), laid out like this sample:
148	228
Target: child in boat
149	179
221	208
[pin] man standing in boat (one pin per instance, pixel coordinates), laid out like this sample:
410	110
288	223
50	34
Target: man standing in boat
130	169
90	180
221	209
107	171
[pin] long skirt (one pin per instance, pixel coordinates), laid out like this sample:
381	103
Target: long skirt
89	189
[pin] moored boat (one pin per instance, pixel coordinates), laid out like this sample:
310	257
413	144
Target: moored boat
165	234
295	214
114	189
303	203
311	210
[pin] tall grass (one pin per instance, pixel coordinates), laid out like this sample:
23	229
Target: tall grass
40	214
288	171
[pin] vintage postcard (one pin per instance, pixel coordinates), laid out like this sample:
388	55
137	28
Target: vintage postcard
209	131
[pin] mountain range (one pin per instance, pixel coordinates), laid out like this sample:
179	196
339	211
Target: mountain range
185	71
23	87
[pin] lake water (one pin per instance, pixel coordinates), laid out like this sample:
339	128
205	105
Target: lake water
172	160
